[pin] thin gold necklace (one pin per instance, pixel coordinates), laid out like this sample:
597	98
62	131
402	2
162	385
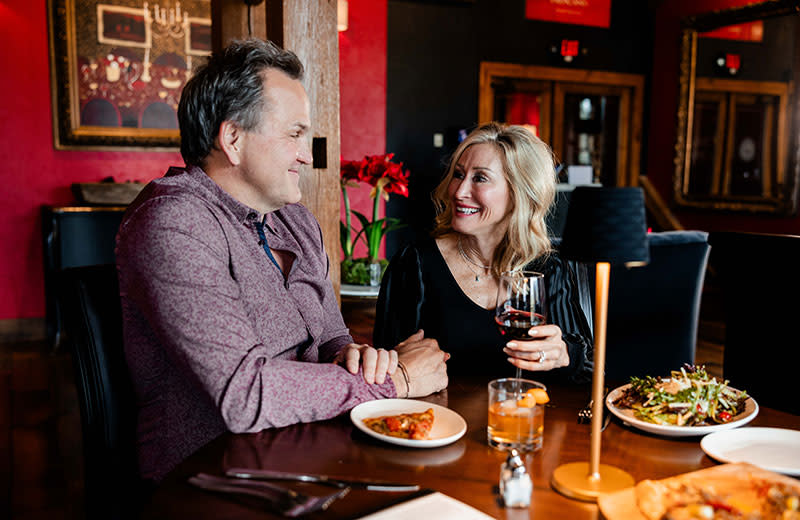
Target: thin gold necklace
470	261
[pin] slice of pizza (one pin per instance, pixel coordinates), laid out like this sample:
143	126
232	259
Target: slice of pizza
728	491
415	426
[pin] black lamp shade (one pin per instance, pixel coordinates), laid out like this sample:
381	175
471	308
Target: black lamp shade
606	225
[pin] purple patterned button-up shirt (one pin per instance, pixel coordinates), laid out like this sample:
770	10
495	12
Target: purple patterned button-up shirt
215	337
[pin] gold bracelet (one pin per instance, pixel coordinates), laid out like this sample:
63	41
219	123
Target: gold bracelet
402	368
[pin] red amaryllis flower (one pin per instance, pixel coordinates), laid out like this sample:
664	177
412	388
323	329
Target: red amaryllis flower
350	170
385	177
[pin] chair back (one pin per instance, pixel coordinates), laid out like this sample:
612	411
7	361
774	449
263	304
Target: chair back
93	324
758	279
654	310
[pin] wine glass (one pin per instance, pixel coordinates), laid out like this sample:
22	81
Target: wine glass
521	304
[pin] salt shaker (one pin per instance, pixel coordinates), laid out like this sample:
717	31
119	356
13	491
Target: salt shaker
515	483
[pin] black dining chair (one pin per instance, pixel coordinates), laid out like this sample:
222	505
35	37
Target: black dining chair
654	310
93	327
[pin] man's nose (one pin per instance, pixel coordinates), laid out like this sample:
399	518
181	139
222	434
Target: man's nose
304	153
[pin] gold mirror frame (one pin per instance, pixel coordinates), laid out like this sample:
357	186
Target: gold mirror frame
785	203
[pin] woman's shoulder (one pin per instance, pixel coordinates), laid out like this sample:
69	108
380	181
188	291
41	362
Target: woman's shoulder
547	262
415	249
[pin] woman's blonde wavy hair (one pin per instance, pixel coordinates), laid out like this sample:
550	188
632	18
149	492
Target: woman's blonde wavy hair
529	169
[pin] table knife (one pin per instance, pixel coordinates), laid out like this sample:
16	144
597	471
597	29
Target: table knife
368	484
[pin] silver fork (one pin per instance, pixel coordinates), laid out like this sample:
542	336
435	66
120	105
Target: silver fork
585	413
284	501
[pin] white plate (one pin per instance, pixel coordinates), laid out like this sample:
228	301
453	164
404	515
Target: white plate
774	449
626	415
448	426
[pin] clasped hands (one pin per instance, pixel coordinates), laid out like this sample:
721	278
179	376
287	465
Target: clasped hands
423	359
545	350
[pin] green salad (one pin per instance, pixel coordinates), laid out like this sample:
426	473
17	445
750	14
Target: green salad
689	397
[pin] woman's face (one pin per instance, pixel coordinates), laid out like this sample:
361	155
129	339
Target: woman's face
479	194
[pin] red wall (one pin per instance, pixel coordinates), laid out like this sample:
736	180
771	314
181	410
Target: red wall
362	80
34	174
661	131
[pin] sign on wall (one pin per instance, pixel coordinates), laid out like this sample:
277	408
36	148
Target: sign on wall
595	13
749	32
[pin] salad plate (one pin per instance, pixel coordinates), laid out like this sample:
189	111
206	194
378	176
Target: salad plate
448	426
626	415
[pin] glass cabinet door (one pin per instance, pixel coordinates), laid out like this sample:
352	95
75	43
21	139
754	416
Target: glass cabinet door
590	133
525	102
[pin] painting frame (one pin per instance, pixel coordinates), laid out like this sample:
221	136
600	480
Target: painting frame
135	126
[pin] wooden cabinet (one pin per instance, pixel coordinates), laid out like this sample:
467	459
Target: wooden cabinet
74	236
591	119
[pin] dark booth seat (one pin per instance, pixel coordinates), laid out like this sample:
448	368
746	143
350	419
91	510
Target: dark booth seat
654	310
759	280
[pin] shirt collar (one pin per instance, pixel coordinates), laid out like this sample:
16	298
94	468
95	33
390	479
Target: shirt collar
243	213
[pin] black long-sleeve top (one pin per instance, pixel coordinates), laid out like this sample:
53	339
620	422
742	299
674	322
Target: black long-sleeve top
418	291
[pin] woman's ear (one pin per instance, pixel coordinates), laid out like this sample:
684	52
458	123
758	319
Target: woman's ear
229	140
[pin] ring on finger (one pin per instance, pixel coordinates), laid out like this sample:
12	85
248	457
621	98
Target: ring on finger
542	356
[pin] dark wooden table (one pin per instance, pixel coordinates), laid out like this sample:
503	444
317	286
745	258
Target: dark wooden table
467	470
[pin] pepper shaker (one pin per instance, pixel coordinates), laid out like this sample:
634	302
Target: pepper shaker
515	482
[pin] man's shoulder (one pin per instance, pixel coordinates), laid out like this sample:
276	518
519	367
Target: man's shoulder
172	200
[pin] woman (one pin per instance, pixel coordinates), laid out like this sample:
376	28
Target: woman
491	208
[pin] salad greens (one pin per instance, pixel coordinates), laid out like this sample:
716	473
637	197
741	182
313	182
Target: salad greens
689	397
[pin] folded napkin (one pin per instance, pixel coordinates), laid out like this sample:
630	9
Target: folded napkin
435	505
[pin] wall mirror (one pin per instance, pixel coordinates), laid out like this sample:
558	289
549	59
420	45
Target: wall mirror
737	146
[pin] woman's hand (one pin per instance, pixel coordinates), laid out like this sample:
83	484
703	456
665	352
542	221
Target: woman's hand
425	364
545	350
375	363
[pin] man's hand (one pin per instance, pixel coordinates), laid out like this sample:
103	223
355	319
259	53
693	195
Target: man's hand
425	363
374	363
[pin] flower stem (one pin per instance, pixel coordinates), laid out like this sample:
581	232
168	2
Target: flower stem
349	249
376	235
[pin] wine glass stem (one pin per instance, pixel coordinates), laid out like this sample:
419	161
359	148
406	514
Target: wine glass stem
519	383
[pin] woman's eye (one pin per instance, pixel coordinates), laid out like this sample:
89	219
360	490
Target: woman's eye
479	178
458	175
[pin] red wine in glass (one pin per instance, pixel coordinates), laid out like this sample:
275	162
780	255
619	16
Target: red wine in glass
521	304
515	324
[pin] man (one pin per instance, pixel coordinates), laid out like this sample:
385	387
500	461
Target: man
230	320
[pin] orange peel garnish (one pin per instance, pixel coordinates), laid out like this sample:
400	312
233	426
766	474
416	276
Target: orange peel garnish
526	402
539	395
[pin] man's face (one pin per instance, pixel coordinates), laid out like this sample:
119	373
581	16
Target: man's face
273	152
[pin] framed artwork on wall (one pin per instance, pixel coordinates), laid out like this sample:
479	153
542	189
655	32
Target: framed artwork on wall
118	68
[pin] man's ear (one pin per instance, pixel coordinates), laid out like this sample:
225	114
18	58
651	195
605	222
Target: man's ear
229	140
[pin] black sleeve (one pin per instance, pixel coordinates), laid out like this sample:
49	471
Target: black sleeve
564	302
399	308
